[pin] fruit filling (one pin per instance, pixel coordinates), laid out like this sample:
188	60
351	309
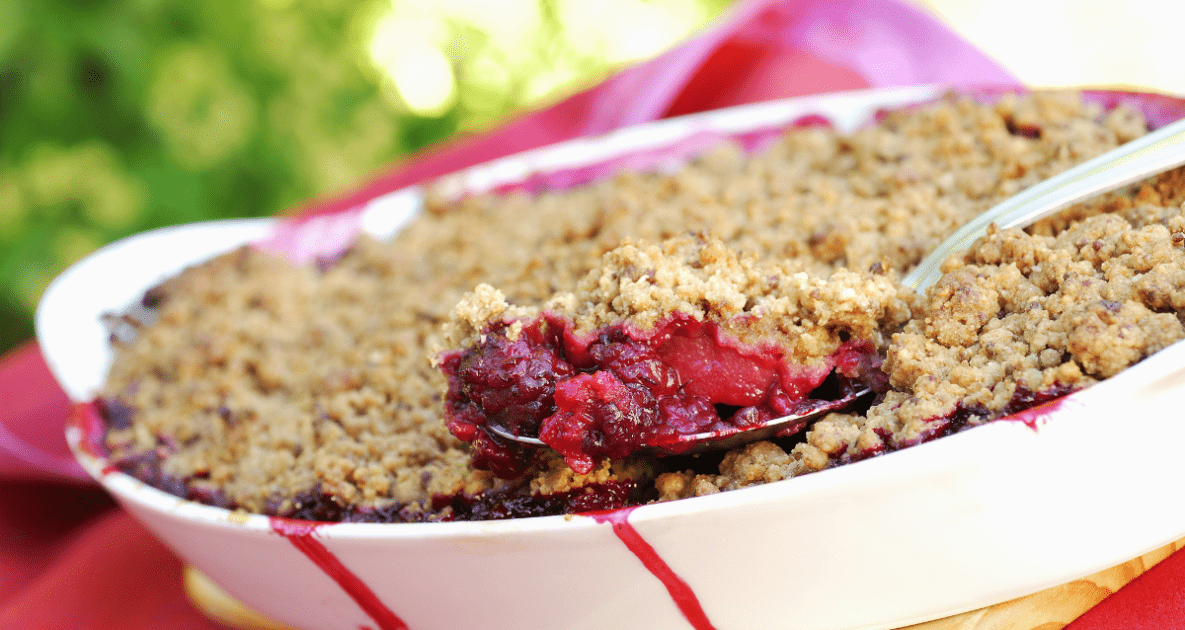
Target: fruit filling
619	390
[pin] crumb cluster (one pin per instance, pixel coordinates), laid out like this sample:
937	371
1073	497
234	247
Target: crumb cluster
268	387
698	276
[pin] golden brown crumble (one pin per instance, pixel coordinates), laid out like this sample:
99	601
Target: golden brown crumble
264	382
554	477
698	276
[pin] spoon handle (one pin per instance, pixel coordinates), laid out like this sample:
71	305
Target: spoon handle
1146	156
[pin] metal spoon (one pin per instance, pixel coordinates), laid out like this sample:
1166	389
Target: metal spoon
1141	158
719	440
1144	157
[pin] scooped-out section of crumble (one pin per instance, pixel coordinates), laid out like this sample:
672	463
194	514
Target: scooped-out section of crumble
660	343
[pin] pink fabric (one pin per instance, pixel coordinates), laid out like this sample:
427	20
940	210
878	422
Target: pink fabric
32	408
70	559
1153	601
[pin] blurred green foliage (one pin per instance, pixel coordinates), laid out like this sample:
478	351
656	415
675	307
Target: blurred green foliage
118	116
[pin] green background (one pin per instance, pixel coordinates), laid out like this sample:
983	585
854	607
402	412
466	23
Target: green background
118	116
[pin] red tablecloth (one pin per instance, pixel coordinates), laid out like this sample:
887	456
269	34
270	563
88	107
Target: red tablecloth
70	559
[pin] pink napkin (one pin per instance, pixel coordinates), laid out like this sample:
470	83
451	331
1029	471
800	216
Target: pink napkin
70	559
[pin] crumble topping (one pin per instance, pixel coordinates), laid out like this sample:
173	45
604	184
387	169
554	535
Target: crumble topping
307	391
698	276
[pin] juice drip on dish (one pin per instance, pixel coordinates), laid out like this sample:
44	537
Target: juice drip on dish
87	419
300	534
1048	403
680	592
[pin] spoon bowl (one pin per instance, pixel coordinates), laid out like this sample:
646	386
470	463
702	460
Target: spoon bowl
724	439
